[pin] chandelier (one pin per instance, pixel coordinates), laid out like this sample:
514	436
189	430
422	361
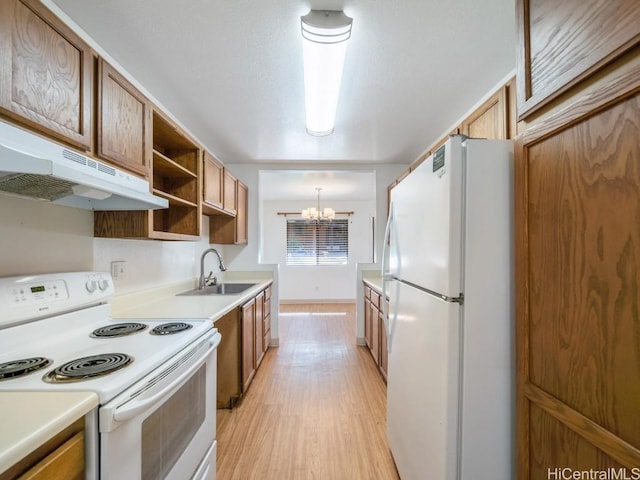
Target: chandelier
314	213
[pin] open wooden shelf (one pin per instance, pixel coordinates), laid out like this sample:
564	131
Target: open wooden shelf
175	175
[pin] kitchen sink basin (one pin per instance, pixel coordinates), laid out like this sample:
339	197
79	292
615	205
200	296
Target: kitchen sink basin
220	289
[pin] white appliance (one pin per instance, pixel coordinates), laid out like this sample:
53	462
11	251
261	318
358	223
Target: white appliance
32	166
448	273
155	379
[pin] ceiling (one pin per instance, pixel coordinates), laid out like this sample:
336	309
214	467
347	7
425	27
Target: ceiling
301	185
231	71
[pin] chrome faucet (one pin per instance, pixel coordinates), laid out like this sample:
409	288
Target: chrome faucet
201	281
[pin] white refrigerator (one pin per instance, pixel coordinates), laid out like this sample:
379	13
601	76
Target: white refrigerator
448	270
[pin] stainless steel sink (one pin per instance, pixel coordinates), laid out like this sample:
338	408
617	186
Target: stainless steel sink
220	289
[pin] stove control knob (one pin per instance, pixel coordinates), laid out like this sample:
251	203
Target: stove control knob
103	284
91	286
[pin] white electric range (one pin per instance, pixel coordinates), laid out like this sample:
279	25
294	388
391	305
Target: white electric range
155	379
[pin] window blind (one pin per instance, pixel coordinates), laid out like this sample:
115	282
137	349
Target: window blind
324	243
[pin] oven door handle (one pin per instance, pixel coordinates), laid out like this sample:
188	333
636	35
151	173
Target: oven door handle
131	409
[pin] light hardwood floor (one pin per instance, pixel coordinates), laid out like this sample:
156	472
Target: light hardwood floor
316	408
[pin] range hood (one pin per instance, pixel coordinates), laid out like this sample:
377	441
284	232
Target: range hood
31	166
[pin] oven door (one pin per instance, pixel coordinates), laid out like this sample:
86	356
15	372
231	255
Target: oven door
164	426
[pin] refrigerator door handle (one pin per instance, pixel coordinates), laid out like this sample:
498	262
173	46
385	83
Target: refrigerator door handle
388	276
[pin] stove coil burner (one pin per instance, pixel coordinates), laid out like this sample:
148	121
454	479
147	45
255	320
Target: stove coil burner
170	328
118	330
24	366
86	368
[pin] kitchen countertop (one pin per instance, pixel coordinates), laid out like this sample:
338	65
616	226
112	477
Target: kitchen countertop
31	418
373	279
163	302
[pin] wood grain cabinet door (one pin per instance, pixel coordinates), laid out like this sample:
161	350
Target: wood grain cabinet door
241	237
578	287
248	339
230	189
563	43
45	73
212	182
384	349
124	122
489	120
259	325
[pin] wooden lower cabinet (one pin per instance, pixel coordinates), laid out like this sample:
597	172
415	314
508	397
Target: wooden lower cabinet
60	458
375	332
259	325
266	319
246	332
248	343
384	349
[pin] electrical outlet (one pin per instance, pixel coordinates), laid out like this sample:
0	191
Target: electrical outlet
118	270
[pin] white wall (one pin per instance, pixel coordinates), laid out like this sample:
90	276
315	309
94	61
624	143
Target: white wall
317	283
151	263
38	237
245	257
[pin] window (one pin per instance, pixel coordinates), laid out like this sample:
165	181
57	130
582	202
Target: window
325	243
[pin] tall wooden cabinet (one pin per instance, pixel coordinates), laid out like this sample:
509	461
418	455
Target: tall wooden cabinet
46	73
577	210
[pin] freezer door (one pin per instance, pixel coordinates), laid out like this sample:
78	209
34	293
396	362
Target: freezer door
425	238
422	384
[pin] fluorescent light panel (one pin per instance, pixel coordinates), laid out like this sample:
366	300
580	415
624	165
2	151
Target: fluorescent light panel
324	45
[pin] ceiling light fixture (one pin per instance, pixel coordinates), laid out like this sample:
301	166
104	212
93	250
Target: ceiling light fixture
325	34
314	213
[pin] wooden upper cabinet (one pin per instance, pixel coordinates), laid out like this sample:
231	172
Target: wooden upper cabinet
224	229
490	119
124	122
212	183
562	43
230	204
241	236
45	73
176	170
